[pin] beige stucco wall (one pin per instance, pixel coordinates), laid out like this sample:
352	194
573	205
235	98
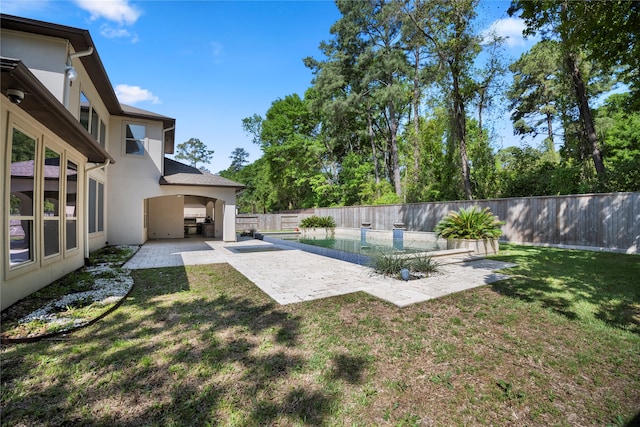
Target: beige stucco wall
132	179
20	281
45	56
166	217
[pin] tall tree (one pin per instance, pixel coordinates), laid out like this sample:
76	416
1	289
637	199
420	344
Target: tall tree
536	89
292	151
447	29
609	31
364	72
557	18
238	158
194	151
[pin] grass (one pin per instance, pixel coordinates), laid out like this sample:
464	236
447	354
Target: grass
559	344
74	300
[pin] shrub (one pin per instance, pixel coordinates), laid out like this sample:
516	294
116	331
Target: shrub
424	264
390	264
470	224
315	221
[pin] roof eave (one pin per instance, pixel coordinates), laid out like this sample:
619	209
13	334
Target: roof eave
80	40
44	107
163	181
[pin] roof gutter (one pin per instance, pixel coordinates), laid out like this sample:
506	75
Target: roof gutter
98	166
82	53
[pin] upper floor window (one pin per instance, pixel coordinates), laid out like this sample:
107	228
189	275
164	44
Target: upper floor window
90	119
134	139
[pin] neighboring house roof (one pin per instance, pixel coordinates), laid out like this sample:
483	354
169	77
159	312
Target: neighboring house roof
40	103
81	40
176	173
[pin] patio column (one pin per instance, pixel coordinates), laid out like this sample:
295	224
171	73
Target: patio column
229	223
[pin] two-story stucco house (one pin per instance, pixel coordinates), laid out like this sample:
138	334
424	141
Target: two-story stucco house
80	170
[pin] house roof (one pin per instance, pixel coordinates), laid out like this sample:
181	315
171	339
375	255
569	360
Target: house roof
81	40
168	123
41	104
176	173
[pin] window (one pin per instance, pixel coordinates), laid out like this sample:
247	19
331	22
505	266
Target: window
90	120
103	134
95	122
134	139
21	210
96	206
85	106
51	202
71	207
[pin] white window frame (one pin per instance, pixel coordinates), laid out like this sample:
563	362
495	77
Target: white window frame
96	209
34	243
53	218
95	125
75	215
143	141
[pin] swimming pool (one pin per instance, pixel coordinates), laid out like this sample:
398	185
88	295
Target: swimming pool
357	251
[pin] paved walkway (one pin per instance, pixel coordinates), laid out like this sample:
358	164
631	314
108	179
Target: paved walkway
290	275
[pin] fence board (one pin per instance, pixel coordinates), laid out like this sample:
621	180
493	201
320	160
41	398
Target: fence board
610	220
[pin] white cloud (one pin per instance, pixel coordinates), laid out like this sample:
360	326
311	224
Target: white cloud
119	11
510	29
113	33
133	94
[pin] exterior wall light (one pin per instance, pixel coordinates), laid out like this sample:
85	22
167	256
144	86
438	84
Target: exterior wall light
72	74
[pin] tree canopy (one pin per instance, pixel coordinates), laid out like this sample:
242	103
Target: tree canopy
194	151
403	100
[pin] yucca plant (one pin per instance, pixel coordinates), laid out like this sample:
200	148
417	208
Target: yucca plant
470	224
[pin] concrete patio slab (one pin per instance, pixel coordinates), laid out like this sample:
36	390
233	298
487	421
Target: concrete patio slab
291	275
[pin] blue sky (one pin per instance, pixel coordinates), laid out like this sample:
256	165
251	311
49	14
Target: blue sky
209	64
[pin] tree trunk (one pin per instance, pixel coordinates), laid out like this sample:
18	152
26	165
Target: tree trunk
550	144
460	131
416	118
585	114
372	138
583	102
393	150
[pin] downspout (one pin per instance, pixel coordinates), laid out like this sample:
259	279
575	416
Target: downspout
86	207
69	66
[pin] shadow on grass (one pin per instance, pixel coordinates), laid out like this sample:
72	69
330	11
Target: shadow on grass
349	368
188	347
576	284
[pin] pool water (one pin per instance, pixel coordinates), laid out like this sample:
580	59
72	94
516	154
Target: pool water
349	249
357	246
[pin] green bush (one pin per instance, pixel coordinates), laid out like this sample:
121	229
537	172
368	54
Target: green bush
315	221
424	264
470	224
390	264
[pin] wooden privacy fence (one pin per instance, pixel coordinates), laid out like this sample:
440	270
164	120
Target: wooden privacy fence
610	220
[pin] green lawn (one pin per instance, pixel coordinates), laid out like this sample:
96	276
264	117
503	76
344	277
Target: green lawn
559	344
